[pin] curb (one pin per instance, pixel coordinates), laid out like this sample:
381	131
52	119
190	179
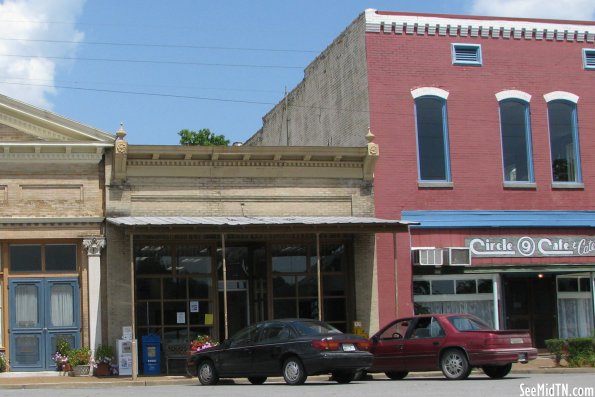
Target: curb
8	382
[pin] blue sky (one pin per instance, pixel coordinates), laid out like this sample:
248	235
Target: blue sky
159	67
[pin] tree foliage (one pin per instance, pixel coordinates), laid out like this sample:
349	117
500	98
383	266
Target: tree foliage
203	137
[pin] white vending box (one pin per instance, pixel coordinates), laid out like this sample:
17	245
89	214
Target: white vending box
124	350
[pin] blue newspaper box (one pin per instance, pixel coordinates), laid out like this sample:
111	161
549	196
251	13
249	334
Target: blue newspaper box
151	354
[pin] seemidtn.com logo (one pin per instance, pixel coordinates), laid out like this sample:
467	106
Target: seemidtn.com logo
556	390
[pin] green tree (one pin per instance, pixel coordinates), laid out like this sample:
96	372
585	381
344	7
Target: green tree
203	137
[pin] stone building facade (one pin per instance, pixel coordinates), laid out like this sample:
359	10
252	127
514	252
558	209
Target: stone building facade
51	225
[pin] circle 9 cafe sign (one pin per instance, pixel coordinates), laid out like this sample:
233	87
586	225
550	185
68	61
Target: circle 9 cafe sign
525	246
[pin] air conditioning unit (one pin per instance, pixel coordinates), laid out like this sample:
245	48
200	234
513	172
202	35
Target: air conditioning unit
459	256
427	256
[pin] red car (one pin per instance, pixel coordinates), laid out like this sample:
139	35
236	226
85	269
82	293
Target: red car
453	343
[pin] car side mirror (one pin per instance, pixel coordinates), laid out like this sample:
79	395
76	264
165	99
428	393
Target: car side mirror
375	339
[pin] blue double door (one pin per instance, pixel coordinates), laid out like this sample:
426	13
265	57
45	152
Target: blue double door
41	312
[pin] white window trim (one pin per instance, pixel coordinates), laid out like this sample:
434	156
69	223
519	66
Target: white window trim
561	95
585	51
513	94
429	91
477	47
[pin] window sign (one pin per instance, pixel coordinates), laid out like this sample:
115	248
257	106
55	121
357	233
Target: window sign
526	246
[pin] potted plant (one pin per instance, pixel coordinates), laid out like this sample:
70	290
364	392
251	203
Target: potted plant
80	360
104	357
60	357
2	362
202	342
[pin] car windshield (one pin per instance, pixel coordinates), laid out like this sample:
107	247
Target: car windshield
314	328
466	323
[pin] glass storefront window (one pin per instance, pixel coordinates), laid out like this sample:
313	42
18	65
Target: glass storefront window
334	285
148	288
443	287
174	287
568	284
193	260
289	259
466	287
285	308
421	288
199	287
485	286
332	258
153	259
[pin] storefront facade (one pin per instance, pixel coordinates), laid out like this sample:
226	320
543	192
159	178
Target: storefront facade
51	220
204	240
526	270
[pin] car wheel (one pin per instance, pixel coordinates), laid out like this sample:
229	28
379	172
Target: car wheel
293	371
454	364
207	374
343	377
396	375
257	380
497	371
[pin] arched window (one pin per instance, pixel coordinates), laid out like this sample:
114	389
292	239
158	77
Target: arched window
516	140
432	139
564	145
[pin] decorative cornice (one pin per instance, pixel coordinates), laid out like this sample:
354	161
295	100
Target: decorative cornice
30	128
242	163
36	157
422	25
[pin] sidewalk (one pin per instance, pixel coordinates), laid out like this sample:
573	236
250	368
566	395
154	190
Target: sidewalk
53	379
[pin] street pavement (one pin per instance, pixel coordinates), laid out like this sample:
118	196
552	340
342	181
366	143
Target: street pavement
54	379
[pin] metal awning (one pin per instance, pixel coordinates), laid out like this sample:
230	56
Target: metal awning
345	224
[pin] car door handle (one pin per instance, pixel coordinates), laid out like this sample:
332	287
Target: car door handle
435	343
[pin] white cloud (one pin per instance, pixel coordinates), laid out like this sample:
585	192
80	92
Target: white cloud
28	21
554	9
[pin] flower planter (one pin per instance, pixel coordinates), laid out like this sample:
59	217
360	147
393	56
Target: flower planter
81	370
102	369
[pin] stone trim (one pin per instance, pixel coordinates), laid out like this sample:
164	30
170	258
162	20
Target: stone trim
513	94
469	27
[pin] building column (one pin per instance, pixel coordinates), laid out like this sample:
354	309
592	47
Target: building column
94	246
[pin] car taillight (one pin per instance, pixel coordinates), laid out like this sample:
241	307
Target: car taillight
363	345
325	344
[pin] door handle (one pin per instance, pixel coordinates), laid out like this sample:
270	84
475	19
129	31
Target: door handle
435	343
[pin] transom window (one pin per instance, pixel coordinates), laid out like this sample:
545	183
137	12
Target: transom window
516	141
39	258
452	287
564	144
432	139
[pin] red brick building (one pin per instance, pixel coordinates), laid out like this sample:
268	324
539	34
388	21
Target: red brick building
486	135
